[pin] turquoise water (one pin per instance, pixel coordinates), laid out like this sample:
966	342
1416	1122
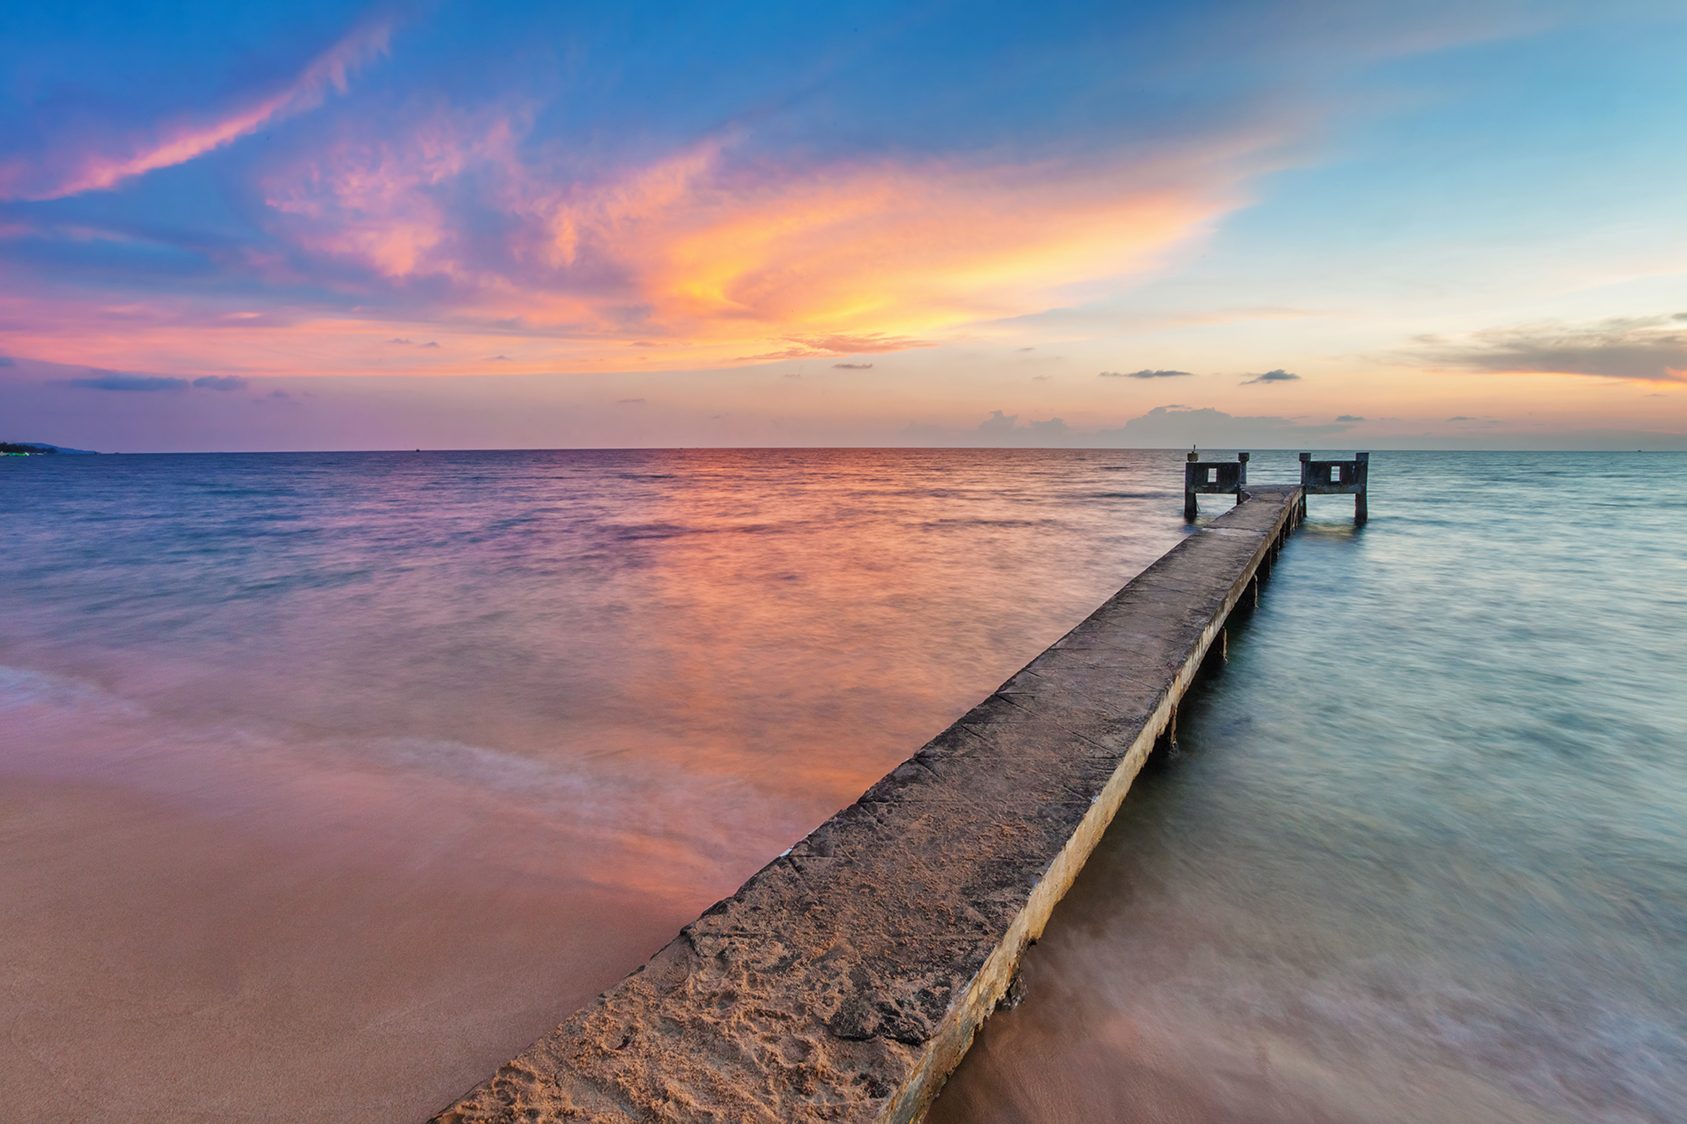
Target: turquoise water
1422	855
328	782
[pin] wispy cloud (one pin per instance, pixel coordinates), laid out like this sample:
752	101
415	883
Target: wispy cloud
1179	426
1146	374
1164	427
1005	427
852	366
1278	375
726	257
826	346
471	228
220	382
71	171
113	380
1643	348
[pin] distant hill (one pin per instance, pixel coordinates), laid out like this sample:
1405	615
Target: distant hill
35	448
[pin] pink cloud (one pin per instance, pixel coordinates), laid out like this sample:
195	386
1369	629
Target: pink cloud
709	256
69	172
726	260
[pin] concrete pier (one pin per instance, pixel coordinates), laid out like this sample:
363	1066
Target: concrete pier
845	980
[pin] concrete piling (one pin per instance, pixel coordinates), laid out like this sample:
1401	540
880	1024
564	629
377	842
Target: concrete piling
1189	508
1333	478
1213	478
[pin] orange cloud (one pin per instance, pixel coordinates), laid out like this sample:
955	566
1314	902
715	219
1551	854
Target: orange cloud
722	262
700	259
176	144
1637	348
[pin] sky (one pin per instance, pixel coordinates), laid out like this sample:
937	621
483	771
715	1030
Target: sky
1272	223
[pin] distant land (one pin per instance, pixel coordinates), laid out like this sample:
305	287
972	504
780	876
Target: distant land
35	448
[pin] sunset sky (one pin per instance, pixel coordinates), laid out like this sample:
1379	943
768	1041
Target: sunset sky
1323	223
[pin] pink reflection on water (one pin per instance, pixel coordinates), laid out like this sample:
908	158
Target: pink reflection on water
328	784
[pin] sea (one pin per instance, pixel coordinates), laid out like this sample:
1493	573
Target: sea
330	781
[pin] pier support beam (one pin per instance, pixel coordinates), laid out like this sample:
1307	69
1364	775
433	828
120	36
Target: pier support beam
1213	478
1362	466
1190	508
1336	478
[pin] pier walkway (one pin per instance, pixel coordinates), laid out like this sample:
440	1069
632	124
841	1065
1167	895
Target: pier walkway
845	980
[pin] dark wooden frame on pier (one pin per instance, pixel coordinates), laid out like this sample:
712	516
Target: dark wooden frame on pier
1317	478
1213	478
1335	478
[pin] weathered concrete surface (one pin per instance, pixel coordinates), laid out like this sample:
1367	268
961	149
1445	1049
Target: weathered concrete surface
845	980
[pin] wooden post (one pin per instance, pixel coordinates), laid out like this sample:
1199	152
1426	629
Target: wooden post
1189	508
1362	466
1241	478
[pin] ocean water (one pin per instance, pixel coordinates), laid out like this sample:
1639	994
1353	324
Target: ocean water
329	782
1422	852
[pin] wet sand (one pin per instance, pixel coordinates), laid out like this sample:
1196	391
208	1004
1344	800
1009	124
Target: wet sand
330	980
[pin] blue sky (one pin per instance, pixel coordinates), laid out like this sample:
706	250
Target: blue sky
850	224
